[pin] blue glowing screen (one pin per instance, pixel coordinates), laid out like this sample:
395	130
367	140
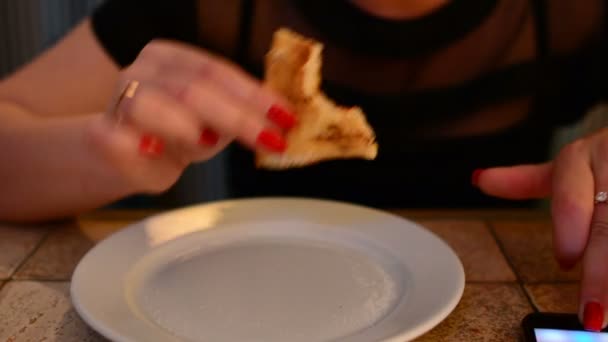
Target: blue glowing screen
554	335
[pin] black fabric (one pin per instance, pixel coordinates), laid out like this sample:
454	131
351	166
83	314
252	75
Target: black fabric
352	28
541	26
566	86
409	171
571	84
415	110
124	27
433	174
245	31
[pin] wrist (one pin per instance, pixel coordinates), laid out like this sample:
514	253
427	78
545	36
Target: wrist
98	141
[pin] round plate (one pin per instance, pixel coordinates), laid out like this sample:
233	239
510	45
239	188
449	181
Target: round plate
277	269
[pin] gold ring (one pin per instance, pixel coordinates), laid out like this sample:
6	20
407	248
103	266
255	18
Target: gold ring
128	92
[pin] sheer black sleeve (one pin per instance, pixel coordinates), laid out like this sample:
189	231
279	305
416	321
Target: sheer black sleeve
124	27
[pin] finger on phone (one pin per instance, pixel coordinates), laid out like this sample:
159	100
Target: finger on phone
594	285
572	204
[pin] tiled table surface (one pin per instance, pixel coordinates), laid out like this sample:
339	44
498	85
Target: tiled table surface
507	257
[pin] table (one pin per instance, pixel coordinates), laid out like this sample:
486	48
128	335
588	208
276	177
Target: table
507	256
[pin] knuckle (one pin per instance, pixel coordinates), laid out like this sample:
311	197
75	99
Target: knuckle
254	94
129	74
188	92
234	120
129	107
148	52
230	122
599	231
140	104
566	207
154	50
601	150
247	126
574	148
206	69
157	187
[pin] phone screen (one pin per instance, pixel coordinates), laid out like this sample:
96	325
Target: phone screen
556	335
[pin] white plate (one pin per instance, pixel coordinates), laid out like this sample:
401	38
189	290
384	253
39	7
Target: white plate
268	270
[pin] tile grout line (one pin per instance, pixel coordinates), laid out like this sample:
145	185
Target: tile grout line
31	253
556	282
502	249
41	280
492	282
465	217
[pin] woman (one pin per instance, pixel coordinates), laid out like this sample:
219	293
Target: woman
449	87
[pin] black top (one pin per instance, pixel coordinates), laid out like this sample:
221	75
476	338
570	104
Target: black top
410	171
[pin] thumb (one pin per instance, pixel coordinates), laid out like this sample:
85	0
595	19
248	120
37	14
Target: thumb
516	182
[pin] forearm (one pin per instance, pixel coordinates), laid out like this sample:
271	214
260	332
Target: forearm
50	169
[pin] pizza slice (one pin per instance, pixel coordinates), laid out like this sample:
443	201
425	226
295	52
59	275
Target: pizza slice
325	130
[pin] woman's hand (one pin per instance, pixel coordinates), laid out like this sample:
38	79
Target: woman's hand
573	179
176	105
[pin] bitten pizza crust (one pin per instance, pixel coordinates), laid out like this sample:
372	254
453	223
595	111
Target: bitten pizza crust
325	131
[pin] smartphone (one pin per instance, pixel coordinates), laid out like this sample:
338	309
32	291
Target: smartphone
557	327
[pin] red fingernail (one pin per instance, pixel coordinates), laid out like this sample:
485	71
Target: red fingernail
593	317
272	141
475	176
209	137
281	117
150	145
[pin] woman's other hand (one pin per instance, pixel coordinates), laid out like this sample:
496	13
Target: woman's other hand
572	180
